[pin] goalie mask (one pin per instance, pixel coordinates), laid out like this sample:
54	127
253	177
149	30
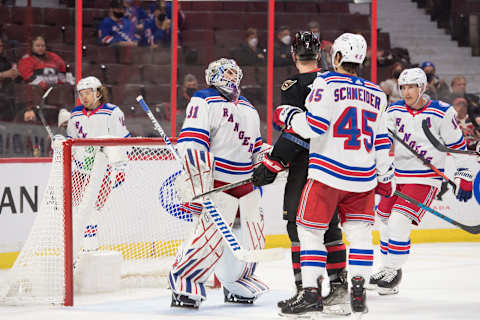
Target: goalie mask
225	75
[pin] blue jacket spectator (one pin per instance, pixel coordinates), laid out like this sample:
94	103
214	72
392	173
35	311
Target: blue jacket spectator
158	29
116	29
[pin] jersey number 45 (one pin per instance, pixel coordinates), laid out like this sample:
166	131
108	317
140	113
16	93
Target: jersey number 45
347	126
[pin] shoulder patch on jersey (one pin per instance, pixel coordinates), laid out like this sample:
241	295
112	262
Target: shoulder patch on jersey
443	104
287	84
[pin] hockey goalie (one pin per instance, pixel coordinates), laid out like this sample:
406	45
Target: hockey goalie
219	140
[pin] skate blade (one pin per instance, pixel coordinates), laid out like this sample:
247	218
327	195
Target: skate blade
337	310
306	315
387	291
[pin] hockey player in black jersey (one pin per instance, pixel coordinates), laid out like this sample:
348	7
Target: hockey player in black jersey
291	150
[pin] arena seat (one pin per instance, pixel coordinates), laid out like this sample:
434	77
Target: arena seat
62	95
229	38
5	15
24	15
202	37
206	5
161	56
155	74
297	6
92	17
157	94
125	95
258	20
198	20
59	16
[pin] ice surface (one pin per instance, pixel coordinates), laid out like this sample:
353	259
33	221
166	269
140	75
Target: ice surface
441	281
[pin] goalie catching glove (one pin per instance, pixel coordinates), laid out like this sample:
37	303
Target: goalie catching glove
266	172
386	183
463	180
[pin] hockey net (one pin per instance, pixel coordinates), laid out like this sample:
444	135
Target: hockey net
92	204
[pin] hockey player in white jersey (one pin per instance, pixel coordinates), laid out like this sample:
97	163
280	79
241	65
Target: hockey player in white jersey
220	121
413	178
95	117
348	162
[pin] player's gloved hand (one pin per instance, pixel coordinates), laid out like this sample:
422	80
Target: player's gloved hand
386	183
283	115
266	172
463	179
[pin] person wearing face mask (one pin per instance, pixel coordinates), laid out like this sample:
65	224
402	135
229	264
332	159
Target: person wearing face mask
116	28
158	29
249	53
436	88
282	56
189	87
390	86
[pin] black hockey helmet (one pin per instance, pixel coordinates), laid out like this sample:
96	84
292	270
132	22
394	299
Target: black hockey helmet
306	45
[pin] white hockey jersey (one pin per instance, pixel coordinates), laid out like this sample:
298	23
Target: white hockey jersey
407	124
231	132
106	120
345	122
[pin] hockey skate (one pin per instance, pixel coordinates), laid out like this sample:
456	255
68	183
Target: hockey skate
283	303
307	302
390	281
358	297
374	278
233	298
337	300
183	301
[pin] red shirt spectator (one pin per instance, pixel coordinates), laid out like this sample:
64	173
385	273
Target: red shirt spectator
42	67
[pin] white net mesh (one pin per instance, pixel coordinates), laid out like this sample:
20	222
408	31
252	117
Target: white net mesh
129	206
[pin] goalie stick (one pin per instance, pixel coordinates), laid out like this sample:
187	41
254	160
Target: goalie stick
428	164
42	116
440	146
469	229
214	215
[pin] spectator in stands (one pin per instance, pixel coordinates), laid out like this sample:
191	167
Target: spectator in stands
472	136
283	56
135	14
116	28
8	73
390	86
189	87
249	53
168	10
459	88
437	89
158	29
42	67
325	46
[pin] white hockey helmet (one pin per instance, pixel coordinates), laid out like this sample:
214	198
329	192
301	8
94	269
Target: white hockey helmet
413	76
89	83
352	47
225	75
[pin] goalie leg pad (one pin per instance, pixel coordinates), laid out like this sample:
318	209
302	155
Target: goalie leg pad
198	256
235	275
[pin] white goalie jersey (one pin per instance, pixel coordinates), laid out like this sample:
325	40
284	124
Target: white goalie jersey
230	131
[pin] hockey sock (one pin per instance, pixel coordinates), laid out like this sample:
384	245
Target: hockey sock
399	240
336	260
384	235
360	255
295	250
313	255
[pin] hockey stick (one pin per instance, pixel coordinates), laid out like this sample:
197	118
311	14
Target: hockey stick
469	229
440	146
41	115
214	215
428	164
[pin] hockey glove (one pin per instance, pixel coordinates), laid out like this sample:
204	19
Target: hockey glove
266	172
386	183
283	115
463	179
